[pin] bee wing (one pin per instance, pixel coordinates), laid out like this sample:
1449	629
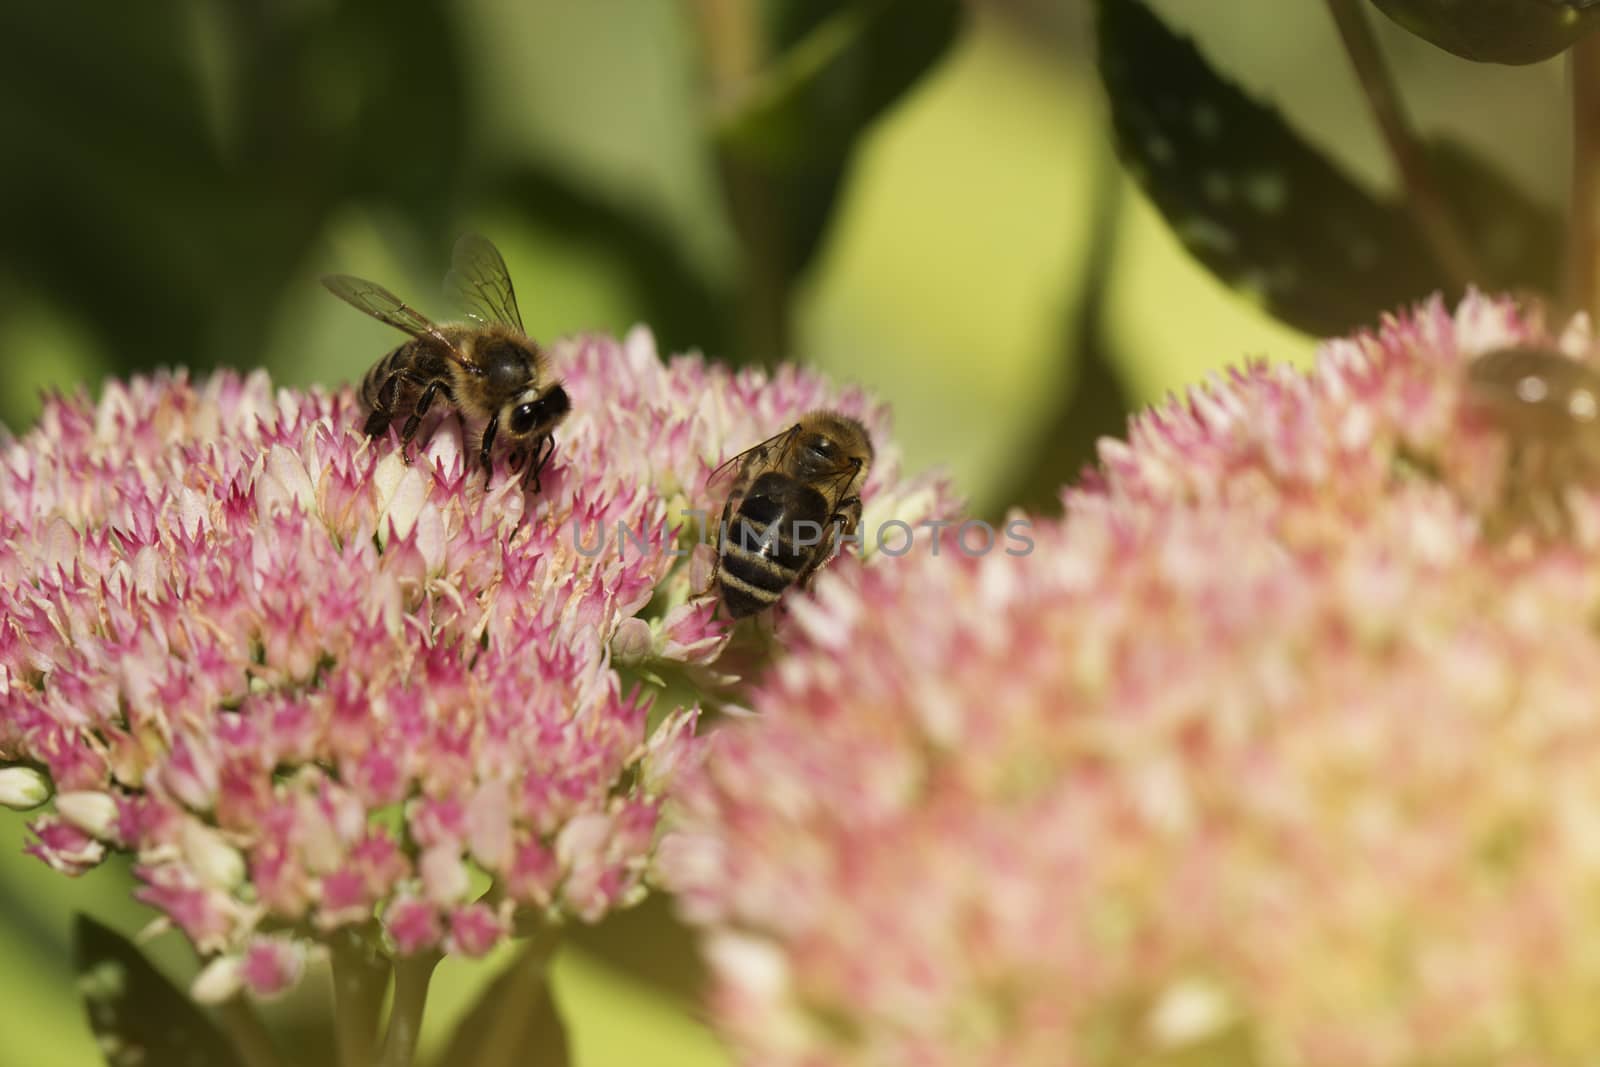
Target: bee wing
384	306
736	462
478	277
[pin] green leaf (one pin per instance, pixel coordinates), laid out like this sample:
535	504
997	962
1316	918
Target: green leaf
203	147
683	309
807	110
1098	403
1496	31
1272	216
515	1022
649	943
138	1017
1516	240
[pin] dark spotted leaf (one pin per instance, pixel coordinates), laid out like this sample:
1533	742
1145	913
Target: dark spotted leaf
515	1021
1517	241
1496	31
1244	193
138	1017
1272	216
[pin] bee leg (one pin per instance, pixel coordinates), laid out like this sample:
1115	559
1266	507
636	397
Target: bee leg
730	509
848	517
383	409
542	452
377	422
484	447
843	522
424	402
388	400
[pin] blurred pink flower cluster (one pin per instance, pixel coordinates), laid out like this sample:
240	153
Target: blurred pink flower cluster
1265	754
307	684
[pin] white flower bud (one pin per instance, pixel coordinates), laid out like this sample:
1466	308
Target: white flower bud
633	642
93	812
216	863
445	879
22	788
402	493
285	483
1188	1012
219	980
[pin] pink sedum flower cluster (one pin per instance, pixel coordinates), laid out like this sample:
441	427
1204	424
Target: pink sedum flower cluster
308	684
1265	754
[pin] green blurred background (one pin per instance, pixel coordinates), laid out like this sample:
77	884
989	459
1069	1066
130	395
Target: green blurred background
748	178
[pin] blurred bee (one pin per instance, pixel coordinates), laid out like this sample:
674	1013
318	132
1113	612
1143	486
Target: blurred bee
1548	407
795	495
491	371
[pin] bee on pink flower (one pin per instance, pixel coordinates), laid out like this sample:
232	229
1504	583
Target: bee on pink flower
312	687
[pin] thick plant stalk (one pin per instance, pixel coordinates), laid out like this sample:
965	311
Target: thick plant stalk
733	52
250	1038
360	978
1583	241
411	978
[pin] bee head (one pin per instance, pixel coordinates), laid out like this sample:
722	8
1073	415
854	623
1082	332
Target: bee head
817	454
830	444
538	413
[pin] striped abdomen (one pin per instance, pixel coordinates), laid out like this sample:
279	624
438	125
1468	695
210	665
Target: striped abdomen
380	373
762	551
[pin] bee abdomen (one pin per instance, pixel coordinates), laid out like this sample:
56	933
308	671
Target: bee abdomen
750	583
378	376
776	543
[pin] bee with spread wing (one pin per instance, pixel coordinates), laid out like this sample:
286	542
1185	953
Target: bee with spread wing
491	371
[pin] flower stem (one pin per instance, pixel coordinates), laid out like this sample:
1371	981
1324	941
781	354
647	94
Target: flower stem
411	977
1583	230
523	989
360	977
731	43
1423	196
248	1034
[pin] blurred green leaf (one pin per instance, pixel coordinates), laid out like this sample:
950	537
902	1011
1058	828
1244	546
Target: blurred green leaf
1495	31
845	70
201	148
650	943
1098	403
1244	193
785	147
683	309
1516	240
515	1020
138	1017
1271	215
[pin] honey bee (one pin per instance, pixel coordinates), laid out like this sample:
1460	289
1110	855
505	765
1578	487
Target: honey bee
1547	406
490	371
795	495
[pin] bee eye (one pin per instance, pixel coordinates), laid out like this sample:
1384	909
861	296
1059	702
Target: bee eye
524	417
552	405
